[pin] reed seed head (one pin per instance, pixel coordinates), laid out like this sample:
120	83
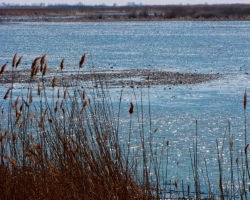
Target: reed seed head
6	96
43	61
83	60
19	61
245	100
175	184
56	107
54	82
14	60
34	63
131	109
245	149
3	68
62	64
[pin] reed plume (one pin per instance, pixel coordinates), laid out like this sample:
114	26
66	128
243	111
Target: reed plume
45	68
42	62
83	59
83	94
6	96
34	63
54	82
3	68
62	64
176	184
14	60
19	61
245	100
56	107
245	149
131	109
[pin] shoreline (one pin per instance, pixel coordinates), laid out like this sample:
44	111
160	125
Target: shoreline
81	13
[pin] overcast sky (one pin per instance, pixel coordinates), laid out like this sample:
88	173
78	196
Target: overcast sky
124	2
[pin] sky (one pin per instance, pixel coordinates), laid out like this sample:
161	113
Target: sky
124	2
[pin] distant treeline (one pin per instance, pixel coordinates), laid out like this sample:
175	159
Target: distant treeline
167	12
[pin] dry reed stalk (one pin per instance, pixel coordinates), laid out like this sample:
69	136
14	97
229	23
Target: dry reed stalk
40	125
61	105
14	137
62	64
21	107
31	96
12	162
6	96
58	93
19	61
3	68
45	112
85	104
18	117
131	109
26	104
4	136
16	102
105	136
38	148
245	149
54	82
14	60
83	94
38	89
245	100
17	112
64	94
83	59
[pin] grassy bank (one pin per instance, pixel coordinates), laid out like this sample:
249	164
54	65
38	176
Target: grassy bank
63	142
128	13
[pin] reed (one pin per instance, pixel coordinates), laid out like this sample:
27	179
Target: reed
67	145
3	68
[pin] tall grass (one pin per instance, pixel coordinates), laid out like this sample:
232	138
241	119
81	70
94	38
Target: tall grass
59	142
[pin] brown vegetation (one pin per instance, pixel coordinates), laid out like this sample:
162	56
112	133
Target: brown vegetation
68	146
116	13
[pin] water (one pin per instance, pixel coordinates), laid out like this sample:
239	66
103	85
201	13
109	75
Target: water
193	47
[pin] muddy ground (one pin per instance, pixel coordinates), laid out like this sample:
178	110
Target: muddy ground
114	78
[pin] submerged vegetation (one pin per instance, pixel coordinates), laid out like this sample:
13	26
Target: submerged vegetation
63	142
